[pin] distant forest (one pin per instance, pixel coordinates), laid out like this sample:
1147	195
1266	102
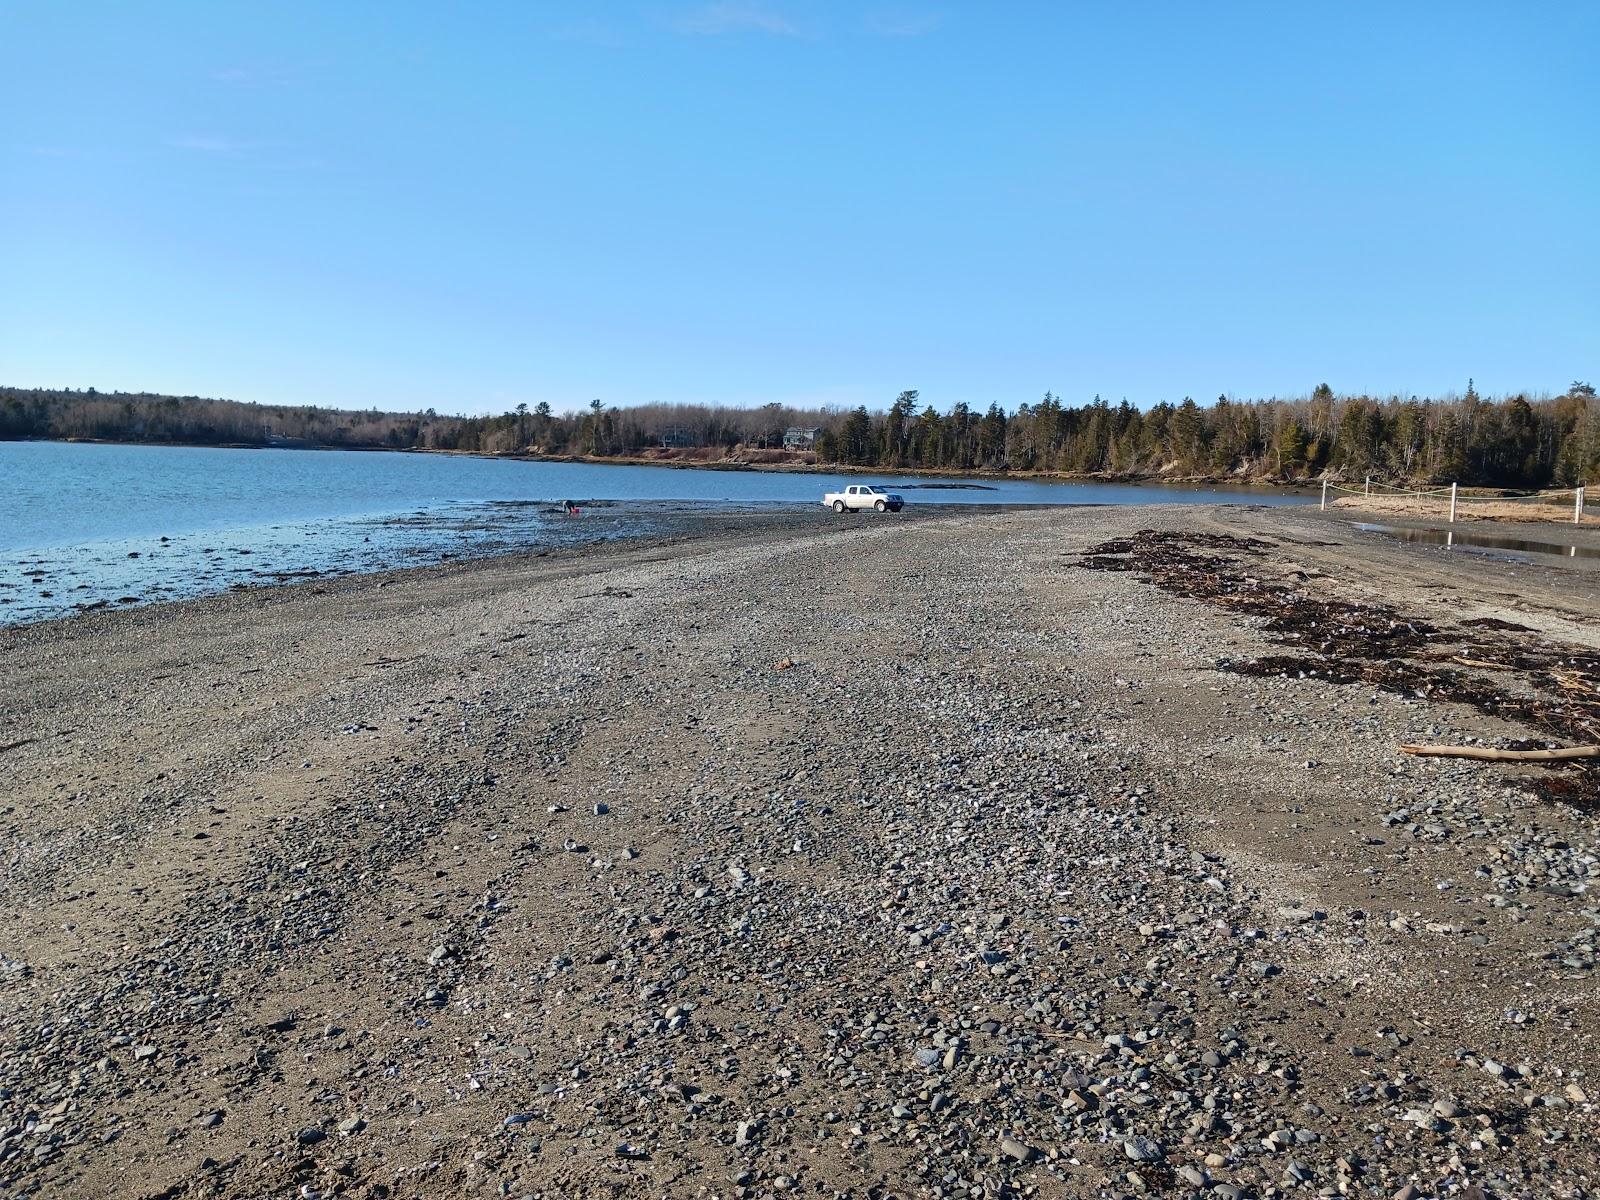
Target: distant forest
1513	441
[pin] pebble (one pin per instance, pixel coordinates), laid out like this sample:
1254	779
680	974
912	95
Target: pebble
1143	1149
1014	1149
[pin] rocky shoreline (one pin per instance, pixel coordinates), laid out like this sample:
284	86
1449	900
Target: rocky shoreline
51	582
851	859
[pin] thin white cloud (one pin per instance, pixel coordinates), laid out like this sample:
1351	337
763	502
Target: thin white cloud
589	32
734	16
209	145
259	155
290	165
902	23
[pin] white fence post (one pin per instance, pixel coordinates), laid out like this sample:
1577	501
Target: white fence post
1324	495
1453	503
1577	507
1368	486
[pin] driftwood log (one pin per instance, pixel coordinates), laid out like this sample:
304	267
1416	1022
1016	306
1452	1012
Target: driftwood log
1489	752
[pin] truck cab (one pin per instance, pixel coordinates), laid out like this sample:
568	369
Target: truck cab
860	496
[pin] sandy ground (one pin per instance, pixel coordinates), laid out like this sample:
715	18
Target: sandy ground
1475	510
832	858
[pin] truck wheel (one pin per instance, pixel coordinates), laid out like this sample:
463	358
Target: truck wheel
879	506
838	506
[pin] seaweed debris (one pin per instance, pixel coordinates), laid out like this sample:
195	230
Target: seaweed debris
1552	690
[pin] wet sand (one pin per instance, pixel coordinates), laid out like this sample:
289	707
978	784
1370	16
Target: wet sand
51	582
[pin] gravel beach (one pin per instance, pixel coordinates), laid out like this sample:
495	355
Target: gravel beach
792	855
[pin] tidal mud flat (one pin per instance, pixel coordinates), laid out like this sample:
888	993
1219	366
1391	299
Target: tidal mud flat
1047	853
46	583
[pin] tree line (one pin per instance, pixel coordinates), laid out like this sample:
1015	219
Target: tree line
1513	441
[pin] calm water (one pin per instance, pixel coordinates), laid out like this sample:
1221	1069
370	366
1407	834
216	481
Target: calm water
88	525
1488	543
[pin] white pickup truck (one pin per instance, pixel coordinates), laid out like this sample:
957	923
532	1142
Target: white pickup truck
863	495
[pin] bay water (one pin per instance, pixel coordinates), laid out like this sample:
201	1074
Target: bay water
88	525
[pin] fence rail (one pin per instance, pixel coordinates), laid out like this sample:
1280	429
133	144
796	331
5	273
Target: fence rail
1387	492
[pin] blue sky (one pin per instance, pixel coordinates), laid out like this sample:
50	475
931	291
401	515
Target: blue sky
468	206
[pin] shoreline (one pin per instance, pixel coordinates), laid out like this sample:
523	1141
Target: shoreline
732	464
673	522
76	546
644	522
1269	484
1131	480
605	523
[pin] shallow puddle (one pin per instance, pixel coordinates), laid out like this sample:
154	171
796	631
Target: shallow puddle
1480	541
